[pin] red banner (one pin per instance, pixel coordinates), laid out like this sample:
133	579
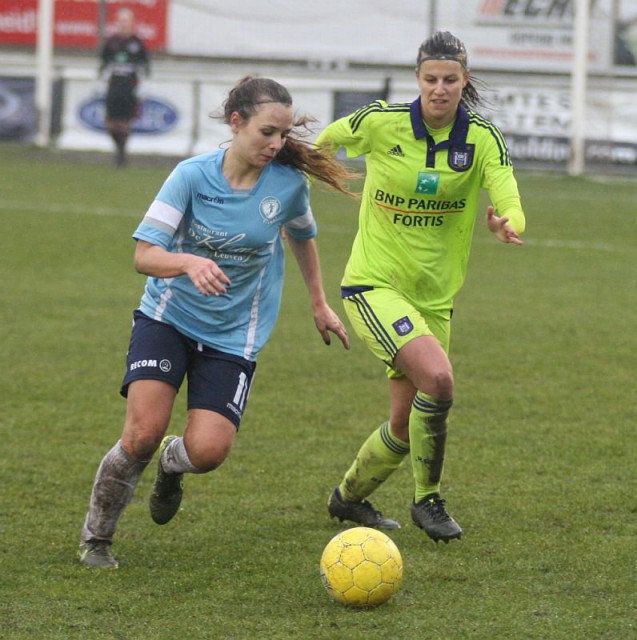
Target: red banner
76	22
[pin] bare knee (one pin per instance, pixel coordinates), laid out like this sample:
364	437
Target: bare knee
427	366
438	383
141	442
208	439
143	433
442	385
148	412
209	454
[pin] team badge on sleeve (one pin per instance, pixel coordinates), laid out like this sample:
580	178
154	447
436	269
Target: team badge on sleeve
403	326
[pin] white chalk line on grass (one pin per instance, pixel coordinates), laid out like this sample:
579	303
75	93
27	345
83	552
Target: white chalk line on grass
577	245
52	208
573	244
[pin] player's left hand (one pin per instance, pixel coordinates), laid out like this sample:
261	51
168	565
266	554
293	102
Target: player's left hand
327	320
500	228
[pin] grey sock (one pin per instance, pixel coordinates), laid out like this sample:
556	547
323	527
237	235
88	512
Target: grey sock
114	485
174	458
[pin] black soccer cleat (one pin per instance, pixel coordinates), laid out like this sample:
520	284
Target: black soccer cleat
360	512
430	514
167	492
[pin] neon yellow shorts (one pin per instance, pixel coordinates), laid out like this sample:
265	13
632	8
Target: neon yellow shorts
386	321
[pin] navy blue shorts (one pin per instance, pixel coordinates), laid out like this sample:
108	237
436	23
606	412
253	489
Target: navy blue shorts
217	381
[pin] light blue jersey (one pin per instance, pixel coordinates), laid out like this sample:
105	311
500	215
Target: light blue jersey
196	211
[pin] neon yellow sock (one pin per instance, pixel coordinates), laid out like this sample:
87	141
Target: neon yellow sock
380	455
428	436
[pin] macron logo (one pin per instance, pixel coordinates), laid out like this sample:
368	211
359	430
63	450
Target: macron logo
211	199
396	151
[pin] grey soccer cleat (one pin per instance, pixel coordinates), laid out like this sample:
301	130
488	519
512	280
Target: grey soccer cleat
361	512
97	555
430	514
167	492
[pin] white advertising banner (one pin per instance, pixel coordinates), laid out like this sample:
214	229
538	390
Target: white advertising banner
364	31
528	35
164	123
505	35
535	116
534	112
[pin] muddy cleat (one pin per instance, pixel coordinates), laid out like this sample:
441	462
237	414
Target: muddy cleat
167	492
97	555
360	512
430	514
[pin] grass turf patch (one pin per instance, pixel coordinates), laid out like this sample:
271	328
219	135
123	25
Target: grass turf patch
540	470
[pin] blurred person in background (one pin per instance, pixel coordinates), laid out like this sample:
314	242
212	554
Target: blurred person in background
626	42
211	244
426	162
123	57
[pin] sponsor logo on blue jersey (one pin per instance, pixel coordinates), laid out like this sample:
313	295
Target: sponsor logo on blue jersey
211	199
155	115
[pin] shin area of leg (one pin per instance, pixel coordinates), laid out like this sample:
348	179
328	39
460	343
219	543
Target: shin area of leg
428	436
114	485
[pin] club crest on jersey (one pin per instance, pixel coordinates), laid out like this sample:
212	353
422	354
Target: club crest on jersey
270	208
461	159
403	326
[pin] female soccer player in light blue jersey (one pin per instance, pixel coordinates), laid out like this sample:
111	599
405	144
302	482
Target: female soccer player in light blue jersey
211	245
426	164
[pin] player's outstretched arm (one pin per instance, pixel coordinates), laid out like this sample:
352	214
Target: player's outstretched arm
325	318
500	228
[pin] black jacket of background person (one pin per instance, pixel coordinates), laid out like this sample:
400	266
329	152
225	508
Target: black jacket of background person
123	57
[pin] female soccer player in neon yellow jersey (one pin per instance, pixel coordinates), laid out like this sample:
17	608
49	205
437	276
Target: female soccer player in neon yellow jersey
426	163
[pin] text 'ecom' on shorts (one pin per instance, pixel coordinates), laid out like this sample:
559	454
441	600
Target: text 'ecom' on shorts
217	381
386	321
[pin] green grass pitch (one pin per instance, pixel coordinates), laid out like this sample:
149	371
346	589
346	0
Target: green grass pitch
541	469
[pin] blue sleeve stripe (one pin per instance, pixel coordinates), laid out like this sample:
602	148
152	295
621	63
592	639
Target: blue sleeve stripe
376	107
505	158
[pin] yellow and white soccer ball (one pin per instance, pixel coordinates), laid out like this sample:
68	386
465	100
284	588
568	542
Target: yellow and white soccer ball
361	567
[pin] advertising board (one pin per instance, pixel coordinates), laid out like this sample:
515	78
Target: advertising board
76	22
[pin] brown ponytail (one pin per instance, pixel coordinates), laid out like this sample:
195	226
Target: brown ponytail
249	93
